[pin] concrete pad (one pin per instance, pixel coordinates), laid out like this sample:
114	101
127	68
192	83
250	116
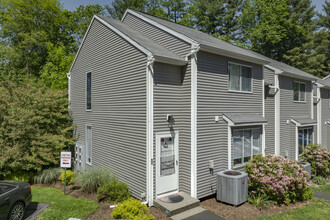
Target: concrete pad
321	195
175	208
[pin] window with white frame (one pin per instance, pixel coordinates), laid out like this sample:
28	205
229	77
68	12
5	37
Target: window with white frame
246	144
305	137
240	78
299	91
89	91
89	144
329	98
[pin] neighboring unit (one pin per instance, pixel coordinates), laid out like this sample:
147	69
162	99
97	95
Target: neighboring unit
289	110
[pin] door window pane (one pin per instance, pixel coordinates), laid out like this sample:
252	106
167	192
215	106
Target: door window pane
246	78
247	145
167	156
234	77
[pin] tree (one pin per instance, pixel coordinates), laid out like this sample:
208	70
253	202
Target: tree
175	10
34	127
118	7
314	55
26	27
218	18
273	27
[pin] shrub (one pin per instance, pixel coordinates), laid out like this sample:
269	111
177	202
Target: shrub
260	200
91	180
320	180
282	180
48	176
319	158
70	177
131	209
113	191
20	176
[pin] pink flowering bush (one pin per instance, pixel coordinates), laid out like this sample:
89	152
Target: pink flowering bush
281	180
319	158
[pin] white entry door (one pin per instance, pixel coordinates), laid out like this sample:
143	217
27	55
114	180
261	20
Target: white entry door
167	162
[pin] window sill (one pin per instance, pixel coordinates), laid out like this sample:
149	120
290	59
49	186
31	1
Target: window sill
235	91
90	164
88	110
299	102
238	167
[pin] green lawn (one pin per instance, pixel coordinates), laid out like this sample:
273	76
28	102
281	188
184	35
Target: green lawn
62	206
324	188
318	209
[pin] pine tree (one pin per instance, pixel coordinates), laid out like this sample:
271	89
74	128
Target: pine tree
118	7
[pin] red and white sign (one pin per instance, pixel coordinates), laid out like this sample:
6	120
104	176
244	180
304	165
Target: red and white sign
65	159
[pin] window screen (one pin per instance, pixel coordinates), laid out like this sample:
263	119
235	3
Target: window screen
240	78
89	91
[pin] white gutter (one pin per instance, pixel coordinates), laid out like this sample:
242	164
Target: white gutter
319	115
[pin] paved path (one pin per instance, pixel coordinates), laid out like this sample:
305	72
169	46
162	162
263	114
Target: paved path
205	215
34	209
321	195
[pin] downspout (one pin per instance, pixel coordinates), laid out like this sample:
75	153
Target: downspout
263	113
150	159
277	114
193	126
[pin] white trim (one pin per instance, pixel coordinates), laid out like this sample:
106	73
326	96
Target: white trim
297	146
193	125
160	26
263	112
149	124
125	37
312	101
277	115
326	77
91	141
263	147
240	78
69	87
229	146
319	116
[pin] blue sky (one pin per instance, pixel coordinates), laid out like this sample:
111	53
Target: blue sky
72	4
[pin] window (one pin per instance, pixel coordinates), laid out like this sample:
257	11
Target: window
89	91
329	98
89	144
299	92
305	137
246	145
240	78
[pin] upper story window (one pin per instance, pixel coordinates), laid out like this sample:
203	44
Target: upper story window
240	78
89	91
299	91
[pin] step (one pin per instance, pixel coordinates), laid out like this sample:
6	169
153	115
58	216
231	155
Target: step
175	208
188	213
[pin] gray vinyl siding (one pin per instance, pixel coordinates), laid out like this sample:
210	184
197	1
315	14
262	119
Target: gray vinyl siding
213	99
172	86
118	116
325	117
270	112
167	40
289	108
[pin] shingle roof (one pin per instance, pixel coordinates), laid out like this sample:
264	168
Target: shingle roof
325	83
204	39
210	41
155	48
245	118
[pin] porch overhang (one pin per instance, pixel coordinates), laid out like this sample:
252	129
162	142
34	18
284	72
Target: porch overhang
244	119
303	121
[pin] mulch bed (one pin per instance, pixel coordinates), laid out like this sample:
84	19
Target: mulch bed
246	210
104	212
